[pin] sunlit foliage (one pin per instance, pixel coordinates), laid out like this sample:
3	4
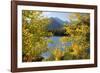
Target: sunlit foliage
79	32
34	32
57	54
35	37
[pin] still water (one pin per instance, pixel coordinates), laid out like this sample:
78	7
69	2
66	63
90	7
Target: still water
56	44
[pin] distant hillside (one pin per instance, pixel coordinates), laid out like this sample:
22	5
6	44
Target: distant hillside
56	26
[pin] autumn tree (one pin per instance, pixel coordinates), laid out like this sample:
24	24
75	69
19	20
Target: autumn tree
33	35
79	32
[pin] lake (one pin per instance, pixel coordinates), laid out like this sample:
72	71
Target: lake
56	43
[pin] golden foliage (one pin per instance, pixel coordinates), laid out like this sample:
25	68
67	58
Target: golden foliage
34	33
57	54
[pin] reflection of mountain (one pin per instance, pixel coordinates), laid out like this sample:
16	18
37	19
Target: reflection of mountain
56	26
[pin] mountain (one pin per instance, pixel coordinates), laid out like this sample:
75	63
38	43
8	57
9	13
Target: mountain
56	26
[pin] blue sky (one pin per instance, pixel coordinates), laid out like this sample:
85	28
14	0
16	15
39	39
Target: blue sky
61	15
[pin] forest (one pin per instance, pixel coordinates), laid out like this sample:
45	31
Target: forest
49	39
